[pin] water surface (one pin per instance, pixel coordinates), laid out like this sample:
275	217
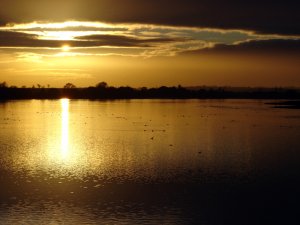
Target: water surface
148	162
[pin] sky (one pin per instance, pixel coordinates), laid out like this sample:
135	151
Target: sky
150	43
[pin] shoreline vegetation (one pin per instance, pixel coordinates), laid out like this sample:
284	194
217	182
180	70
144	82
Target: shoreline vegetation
103	91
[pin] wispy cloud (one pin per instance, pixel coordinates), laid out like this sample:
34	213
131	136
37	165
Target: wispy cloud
96	38
276	17
268	46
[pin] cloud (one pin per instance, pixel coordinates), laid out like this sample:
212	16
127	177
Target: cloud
19	39
289	46
148	40
75	28
263	16
119	40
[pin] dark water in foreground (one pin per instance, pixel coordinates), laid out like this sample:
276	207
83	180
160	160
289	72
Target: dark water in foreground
148	162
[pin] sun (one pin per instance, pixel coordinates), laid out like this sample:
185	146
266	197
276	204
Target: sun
65	48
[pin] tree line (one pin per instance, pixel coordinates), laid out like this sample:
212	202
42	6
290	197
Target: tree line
103	91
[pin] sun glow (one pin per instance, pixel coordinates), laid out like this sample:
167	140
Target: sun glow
58	25
59	35
65	48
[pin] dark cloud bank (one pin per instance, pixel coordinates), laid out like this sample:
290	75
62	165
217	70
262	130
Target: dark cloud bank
280	17
255	46
18	39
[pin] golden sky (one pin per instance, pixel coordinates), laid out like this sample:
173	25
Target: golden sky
84	42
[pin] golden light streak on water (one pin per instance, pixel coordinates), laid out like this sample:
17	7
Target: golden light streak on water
64	128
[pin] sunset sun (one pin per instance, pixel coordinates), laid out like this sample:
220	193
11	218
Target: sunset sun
65	48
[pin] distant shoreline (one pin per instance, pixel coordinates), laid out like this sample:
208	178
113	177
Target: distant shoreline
295	104
105	92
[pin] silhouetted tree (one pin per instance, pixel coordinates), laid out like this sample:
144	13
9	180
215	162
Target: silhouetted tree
102	85
143	88
3	85
69	85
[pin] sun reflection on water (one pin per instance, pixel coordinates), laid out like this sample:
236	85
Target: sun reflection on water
64	128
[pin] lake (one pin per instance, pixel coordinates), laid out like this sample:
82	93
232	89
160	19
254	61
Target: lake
148	162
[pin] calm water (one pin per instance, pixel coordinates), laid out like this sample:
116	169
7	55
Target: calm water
148	162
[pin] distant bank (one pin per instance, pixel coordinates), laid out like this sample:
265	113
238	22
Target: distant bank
103	91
